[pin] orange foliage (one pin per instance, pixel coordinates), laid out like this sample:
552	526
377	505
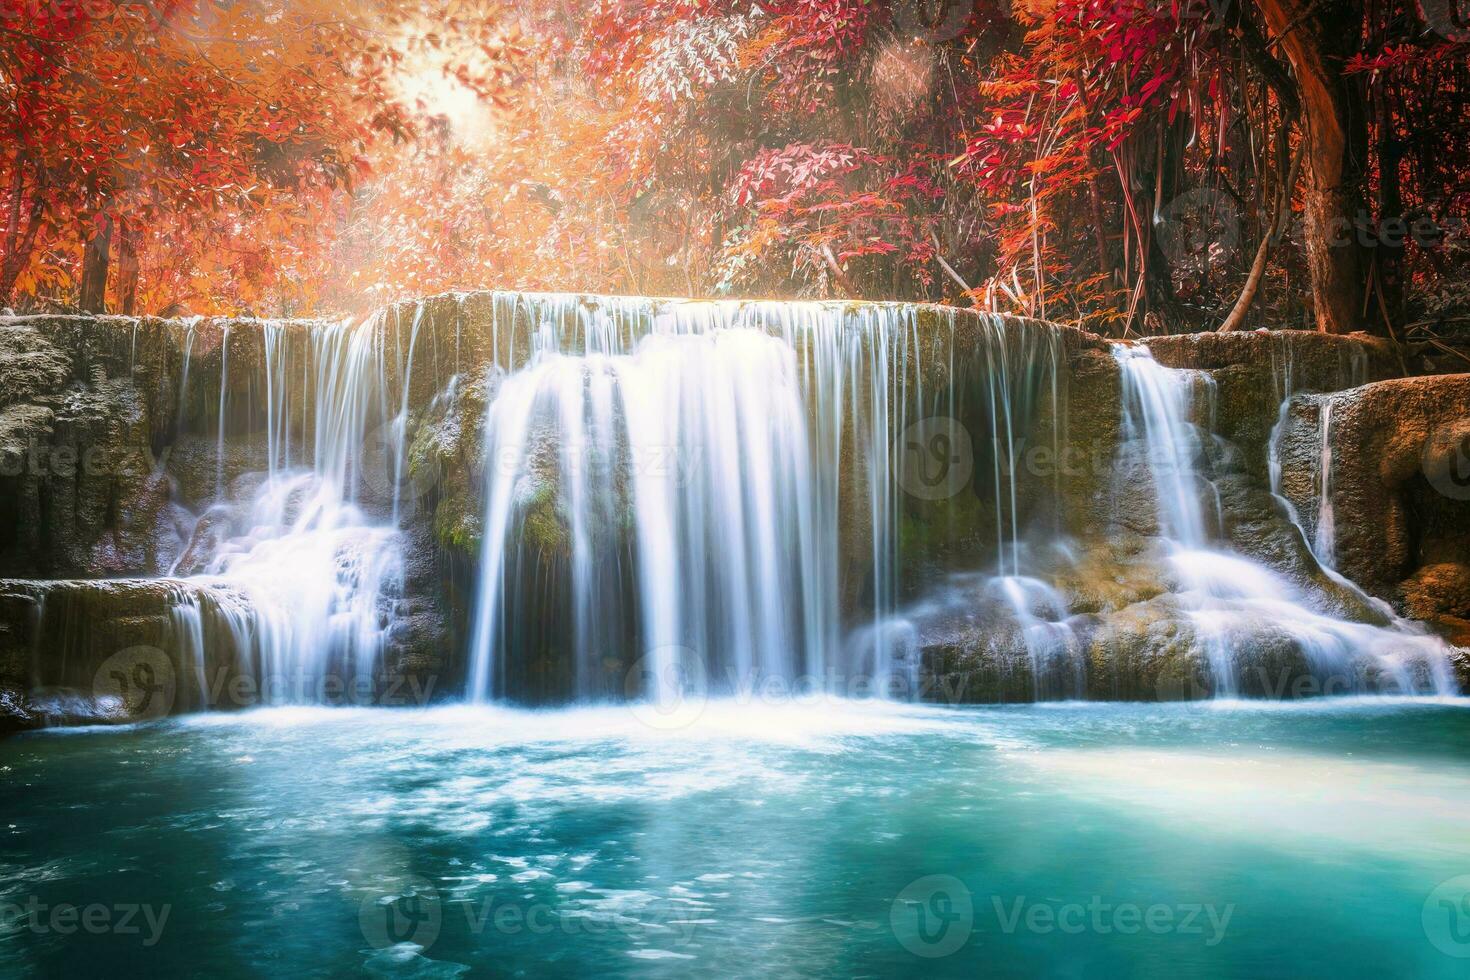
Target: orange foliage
215	140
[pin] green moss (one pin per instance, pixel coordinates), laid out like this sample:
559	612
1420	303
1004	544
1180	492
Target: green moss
543	523
935	529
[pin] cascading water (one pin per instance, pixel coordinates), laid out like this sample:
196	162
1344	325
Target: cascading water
296	566
1352	371
1324	543
1233	601
696	482
709	434
728	493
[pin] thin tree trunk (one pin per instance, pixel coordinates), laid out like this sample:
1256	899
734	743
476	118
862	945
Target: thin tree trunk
838	275
1388	253
23	222
1317	37
1277	227
96	257
18	255
127	268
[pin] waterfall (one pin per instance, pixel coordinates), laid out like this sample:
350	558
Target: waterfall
1237	604
1352	371
1324	544
691	486
184	373
224	390
302	570
725	494
1159	412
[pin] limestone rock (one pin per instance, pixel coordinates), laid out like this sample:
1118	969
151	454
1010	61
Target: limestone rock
1254	371
1399	480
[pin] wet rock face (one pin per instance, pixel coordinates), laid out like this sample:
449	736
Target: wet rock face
1397	489
1131	631
79	652
118	437
125	650
79	491
1254	371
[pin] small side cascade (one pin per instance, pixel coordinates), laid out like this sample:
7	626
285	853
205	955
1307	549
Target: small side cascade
1160	412
224	391
1240	607
304	565
1352	371
1324	541
1041	613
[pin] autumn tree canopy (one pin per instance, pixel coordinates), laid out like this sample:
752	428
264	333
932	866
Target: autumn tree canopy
1134	165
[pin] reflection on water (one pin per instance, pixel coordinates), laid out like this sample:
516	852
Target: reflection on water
820	838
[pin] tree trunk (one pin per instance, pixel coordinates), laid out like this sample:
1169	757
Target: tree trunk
1274	230
1388	250
1317	39
96	257
18	250
22	224
127	268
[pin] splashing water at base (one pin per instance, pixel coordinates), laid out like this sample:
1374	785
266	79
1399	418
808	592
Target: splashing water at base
305	575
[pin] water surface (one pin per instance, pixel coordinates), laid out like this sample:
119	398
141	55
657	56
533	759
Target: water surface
758	840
